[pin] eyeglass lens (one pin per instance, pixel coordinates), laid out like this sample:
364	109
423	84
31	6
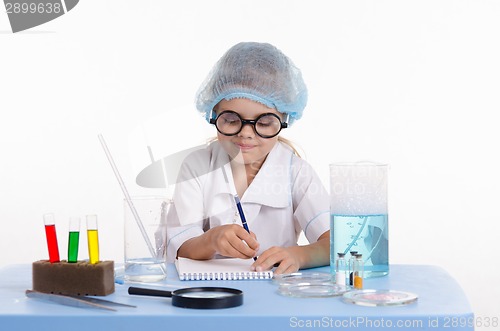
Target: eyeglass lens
266	125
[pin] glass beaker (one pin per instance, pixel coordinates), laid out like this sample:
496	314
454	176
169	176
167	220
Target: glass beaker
359	215
145	249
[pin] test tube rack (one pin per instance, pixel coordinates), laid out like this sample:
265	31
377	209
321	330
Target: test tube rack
80	278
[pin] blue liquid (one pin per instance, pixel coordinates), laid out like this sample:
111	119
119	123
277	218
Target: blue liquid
366	234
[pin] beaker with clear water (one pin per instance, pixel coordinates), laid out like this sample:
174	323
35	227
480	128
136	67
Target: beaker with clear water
359	214
145	253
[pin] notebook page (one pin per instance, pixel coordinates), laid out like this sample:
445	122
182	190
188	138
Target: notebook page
231	268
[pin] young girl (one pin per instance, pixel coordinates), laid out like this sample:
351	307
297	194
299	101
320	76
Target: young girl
253	92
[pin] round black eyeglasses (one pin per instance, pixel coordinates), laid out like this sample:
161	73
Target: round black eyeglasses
230	123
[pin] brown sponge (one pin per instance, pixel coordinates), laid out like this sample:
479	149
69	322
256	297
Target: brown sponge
80	278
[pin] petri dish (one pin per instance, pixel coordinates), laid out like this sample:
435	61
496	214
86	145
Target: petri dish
376	298
302	278
313	290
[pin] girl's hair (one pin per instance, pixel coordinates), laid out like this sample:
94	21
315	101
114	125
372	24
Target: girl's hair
290	144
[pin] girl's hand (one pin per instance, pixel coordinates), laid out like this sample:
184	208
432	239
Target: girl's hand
285	258
291	259
233	240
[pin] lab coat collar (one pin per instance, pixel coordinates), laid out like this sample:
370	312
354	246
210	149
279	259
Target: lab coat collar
220	163
271	186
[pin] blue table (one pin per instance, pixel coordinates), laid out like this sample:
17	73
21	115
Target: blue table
442	305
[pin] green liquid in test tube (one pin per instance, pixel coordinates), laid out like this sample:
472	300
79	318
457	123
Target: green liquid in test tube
74	239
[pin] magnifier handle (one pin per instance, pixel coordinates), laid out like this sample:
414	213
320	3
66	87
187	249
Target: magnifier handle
150	292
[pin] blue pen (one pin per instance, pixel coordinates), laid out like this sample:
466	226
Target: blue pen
242	216
238	205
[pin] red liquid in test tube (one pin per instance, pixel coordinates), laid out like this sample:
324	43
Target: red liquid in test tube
50	233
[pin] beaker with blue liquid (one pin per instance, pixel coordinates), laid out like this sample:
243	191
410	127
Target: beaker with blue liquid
359	214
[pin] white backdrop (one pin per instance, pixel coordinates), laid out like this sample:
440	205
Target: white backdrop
411	83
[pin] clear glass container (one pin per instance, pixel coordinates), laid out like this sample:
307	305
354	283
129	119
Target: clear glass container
358	272
340	269
375	298
359	214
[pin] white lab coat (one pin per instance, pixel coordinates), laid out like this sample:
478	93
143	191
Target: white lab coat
285	198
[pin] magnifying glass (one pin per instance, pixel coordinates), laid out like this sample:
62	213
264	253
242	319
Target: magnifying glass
196	297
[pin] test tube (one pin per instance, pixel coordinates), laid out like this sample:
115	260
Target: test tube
50	233
92	239
74	239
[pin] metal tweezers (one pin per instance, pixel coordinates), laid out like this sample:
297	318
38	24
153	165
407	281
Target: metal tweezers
76	301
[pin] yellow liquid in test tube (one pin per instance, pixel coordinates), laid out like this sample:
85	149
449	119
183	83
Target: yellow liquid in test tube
93	239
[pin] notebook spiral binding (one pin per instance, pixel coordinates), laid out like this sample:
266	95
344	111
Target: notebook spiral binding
227	275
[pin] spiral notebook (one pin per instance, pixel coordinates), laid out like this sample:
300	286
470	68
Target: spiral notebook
218	269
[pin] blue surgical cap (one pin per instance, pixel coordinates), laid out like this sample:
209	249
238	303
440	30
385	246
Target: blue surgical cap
258	72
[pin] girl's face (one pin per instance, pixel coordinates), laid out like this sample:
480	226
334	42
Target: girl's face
246	146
